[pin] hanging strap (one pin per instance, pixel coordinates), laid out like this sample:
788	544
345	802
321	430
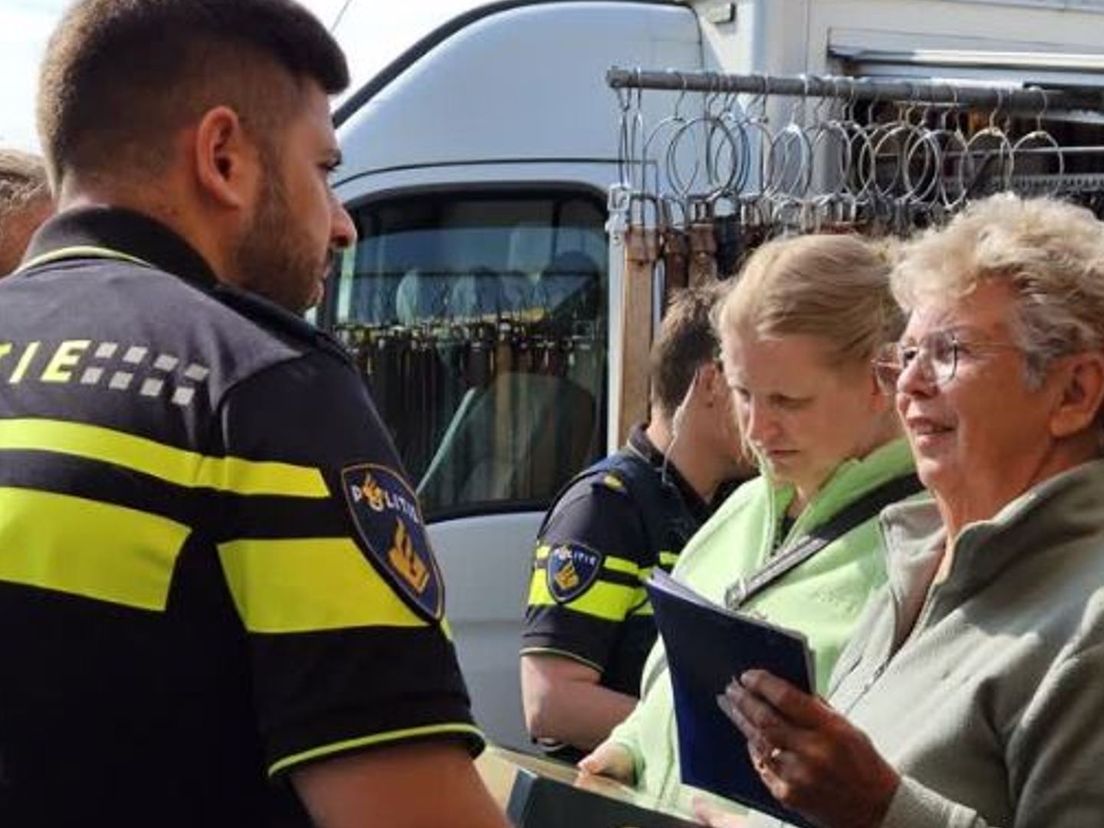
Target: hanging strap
641	252
703	254
676	266
852	516
857	513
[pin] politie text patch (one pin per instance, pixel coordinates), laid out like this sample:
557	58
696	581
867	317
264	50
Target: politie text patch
571	569
385	512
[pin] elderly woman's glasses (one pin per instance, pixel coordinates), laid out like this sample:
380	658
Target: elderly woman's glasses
936	357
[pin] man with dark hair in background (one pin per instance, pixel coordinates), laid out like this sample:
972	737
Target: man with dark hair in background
25	203
218	601
588	625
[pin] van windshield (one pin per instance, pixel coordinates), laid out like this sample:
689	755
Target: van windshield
479	321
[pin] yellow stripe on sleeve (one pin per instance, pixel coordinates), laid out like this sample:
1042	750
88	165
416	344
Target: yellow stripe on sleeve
301	585
253	477
377	739
167	463
603	600
85	547
611	563
539	596
621	565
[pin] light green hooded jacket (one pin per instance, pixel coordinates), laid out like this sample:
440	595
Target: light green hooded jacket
822	597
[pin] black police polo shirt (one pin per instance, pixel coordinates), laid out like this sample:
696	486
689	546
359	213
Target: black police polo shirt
605	619
212	567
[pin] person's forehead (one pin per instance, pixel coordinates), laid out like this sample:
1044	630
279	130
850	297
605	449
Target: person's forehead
312	119
987	309
754	360
315	101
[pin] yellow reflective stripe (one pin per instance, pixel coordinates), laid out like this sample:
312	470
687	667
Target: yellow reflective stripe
305	584
258	477
602	599
85	547
668	559
539	596
377	739
645	609
82	252
611	563
622	565
607	601
173	465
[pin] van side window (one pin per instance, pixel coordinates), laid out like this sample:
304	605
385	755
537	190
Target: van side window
480	323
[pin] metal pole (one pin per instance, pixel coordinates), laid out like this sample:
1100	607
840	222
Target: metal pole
1005	97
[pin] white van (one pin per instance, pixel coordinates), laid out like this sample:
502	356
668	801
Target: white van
482	298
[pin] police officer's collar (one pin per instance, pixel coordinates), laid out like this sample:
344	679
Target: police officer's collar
639	444
133	236
125	231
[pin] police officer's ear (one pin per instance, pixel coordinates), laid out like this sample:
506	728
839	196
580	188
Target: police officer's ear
225	160
710	379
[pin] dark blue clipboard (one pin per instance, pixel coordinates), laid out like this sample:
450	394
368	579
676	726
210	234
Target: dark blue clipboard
706	646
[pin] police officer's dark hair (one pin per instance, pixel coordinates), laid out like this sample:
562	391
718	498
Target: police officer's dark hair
120	77
686	341
22	179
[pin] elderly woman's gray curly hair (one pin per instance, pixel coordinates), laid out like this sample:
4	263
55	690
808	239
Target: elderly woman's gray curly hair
1052	253
22	179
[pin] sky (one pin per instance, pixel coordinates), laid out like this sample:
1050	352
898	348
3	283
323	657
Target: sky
25	26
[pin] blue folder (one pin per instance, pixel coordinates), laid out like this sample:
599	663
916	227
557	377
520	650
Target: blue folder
707	645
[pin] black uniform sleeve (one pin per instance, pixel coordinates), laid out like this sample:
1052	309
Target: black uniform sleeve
588	570
331	571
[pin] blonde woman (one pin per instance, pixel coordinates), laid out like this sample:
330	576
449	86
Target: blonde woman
798	332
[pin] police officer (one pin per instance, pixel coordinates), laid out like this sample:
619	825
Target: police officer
218	604
588	626
25	203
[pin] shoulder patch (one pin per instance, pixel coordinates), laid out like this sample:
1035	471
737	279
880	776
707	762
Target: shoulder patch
612	481
385	512
571	570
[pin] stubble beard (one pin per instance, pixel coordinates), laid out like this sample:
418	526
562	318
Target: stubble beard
273	259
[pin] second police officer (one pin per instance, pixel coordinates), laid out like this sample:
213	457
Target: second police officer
588	625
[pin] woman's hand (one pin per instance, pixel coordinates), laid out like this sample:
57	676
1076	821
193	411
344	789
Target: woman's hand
811	758
611	760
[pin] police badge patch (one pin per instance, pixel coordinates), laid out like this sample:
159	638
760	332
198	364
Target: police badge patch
385	512
571	570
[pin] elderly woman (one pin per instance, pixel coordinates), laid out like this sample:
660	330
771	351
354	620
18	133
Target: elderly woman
798	333
972	694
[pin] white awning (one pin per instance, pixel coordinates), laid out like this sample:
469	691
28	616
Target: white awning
867	53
